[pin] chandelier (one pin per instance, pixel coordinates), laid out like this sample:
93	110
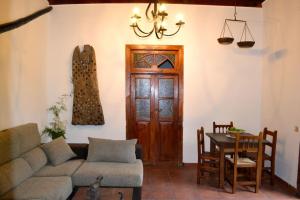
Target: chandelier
157	16
246	34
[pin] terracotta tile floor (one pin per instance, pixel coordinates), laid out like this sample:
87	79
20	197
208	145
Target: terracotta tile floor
172	183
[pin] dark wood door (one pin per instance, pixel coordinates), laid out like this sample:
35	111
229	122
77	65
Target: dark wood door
154	101
154	110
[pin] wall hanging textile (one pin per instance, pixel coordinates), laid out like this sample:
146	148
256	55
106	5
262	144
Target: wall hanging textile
87	109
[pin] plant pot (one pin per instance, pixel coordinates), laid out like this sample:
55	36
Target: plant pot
225	40
246	44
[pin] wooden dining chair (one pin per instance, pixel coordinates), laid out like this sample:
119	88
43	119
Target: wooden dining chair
271	138
207	161
221	128
245	144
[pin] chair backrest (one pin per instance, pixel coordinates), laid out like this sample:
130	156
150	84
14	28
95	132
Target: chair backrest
200	142
248	143
273	134
221	128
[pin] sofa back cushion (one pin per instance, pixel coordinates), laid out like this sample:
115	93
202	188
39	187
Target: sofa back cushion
18	140
103	150
36	158
28	135
13	173
9	146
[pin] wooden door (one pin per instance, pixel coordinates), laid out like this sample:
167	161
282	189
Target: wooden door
154	102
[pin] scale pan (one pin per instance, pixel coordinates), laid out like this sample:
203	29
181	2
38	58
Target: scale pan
246	44
225	40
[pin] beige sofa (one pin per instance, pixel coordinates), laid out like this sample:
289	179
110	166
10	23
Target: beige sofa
25	172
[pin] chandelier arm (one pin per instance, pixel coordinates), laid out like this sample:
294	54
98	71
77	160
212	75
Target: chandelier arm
174	32
137	26
142	36
147	11
157	31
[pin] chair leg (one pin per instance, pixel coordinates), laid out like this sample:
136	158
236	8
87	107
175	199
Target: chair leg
272	172
262	168
137	193
198	173
234	182
257	180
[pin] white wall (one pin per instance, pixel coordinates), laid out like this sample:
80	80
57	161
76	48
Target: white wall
280	89
22	65
221	83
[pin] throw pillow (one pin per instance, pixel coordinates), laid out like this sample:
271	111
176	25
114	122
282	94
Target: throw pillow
58	151
103	150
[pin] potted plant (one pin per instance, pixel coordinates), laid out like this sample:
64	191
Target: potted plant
57	128
235	130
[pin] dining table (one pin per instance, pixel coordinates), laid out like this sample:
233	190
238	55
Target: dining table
225	144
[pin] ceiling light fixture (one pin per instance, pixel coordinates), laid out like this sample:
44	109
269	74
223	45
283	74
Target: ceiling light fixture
157	16
244	42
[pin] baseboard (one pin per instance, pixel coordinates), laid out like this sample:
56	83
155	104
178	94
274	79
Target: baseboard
289	186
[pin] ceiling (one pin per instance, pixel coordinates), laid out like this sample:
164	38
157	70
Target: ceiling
245	3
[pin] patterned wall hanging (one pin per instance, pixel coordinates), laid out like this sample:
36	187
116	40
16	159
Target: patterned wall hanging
87	109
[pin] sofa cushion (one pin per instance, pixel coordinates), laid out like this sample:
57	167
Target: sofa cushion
9	146
114	174
58	151
18	140
29	136
13	173
36	158
65	169
103	150
46	188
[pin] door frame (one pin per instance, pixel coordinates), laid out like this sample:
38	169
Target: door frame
178	72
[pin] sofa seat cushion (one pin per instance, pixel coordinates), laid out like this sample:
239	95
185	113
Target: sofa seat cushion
46	188
114	174
65	169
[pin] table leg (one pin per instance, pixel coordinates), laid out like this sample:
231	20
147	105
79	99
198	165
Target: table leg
221	177
212	147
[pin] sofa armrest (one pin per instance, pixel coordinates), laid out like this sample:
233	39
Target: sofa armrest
81	150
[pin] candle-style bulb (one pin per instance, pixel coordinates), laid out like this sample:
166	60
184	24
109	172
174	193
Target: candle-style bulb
162	8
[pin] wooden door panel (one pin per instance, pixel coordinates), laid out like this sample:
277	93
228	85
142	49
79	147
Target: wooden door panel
143	133
168	141
142	108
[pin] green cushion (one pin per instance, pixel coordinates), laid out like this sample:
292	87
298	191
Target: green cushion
103	150
58	151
